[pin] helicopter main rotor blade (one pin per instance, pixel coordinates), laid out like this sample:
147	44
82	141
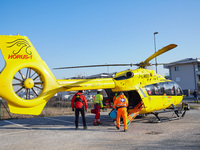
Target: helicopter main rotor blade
106	65
143	64
166	64
159	52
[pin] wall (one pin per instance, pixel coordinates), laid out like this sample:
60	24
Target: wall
184	77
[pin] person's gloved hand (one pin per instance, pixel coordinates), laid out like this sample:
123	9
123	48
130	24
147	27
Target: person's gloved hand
72	109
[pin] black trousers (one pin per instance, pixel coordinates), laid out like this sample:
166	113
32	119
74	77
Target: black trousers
77	110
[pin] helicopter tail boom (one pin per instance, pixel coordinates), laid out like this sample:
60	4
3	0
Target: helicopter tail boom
86	84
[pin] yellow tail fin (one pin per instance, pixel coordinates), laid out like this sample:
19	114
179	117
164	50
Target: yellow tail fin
24	72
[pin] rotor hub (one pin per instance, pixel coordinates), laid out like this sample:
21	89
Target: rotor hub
29	83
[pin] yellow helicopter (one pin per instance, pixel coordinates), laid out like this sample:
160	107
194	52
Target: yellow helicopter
25	71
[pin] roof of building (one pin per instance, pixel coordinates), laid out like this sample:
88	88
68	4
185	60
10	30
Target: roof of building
183	61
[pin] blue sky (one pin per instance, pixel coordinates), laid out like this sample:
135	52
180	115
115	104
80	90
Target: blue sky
87	32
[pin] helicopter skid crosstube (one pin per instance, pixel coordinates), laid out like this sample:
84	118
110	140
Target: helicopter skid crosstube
159	119
178	111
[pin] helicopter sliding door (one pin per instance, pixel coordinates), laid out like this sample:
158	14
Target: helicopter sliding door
156	96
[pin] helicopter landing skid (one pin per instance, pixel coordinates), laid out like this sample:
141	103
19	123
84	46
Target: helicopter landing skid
179	112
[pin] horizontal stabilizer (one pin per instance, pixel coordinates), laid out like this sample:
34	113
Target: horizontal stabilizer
36	110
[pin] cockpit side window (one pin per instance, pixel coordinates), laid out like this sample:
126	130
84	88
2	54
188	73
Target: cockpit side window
178	90
161	88
168	88
150	89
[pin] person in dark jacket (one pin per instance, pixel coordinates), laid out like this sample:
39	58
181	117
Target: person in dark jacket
79	103
195	94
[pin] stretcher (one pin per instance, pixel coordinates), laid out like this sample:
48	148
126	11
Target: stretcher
132	113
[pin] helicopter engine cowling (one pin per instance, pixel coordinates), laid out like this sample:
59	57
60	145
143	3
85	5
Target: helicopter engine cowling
129	74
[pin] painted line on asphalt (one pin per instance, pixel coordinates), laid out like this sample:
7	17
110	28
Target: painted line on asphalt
59	120
66	121
11	133
19	125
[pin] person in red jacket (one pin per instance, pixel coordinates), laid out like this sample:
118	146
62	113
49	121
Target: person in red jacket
79	102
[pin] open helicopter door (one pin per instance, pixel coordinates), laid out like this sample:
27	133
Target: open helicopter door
134	108
135	104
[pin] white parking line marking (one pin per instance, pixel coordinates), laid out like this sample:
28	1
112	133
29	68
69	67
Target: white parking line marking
65	121
11	133
59	120
19	125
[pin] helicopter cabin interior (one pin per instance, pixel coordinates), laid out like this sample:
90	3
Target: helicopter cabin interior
133	97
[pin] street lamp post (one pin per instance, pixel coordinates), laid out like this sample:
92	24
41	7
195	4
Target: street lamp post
107	68
155	49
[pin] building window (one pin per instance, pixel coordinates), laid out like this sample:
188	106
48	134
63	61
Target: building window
198	67
176	68
178	79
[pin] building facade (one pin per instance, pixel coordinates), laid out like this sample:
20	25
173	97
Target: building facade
186	73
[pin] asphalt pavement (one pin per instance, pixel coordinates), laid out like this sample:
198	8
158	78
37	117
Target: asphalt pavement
57	133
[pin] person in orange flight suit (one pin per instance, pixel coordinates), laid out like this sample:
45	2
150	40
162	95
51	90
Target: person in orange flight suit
121	103
114	98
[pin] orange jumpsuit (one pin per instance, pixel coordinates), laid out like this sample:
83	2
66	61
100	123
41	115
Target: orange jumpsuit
121	103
